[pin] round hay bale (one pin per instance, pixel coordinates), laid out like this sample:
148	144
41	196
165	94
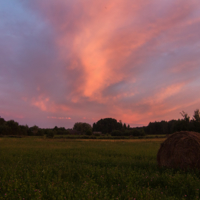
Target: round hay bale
180	150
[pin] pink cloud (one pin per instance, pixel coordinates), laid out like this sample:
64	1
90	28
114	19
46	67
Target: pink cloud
132	60
62	118
41	103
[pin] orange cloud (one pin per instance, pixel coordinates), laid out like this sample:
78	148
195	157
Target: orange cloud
41	103
90	45
45	104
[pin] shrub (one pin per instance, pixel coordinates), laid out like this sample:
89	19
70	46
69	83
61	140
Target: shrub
40	132
82	127
97	134
137	132
116	133
88	132
50	133
5	130
127	133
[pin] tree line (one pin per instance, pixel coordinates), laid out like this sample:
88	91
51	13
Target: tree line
114	128
107	126
12	128
184	124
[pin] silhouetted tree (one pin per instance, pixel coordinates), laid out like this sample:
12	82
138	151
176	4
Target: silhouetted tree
180	125
2	121
23	130
137	132
196	115
14	127
107	125
185	116
89	132
157	128
82	127
61	131
116	133
33	131
171	125
5	130
49	133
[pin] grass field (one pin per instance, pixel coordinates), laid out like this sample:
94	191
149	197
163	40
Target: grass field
38	168
108	137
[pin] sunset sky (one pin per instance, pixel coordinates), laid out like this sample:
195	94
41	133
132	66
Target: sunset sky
67	61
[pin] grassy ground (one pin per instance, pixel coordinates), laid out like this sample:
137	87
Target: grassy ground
38	168
107	137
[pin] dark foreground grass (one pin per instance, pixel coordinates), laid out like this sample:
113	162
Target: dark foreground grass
33	168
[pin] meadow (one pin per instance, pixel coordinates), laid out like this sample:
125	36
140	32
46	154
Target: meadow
39	168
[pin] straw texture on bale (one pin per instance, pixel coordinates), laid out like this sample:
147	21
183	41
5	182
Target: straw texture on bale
180	150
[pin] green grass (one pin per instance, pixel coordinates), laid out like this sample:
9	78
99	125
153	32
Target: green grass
37	168
107	137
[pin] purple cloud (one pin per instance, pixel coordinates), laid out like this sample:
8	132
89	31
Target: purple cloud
68	61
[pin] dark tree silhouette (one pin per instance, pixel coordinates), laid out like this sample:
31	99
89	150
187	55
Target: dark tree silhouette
107	125
83	128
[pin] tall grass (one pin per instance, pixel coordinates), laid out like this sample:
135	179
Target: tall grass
36	168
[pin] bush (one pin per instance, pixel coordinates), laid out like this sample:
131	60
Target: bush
33	131
62	132
5	130
82	127
49	133
138	132
97	134
116	133
88	132
14	127
40	132
127	133
23	130
107	125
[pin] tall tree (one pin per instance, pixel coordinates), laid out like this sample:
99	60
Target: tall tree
107	125
196	115
2	121
185	116
14	127
83	127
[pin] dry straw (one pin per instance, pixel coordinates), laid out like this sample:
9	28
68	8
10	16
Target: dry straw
180	150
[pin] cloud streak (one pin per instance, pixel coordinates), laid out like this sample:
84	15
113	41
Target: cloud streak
130	60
